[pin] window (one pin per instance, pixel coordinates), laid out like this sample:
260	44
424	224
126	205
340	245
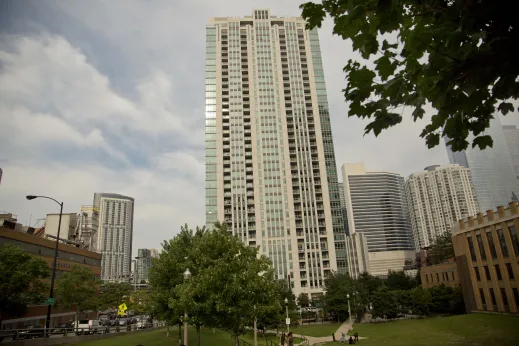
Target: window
471	248
491	245
493	296
510	271
437	277
476	270
481	247
487	272
498	272
482	295
515	238
504	297
516	295
502	242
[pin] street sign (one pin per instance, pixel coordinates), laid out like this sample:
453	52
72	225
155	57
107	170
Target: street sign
123	307
50	301
288	321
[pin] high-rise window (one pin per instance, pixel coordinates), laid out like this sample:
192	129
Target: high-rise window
487	272
498	272
510	271
516	295
476	270
481	247
515	239
482	296
502	242
491	244
503	296
471	248
492	296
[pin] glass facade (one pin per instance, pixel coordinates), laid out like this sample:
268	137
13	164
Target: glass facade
270	175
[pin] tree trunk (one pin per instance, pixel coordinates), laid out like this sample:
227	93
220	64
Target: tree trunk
167	329
236	340
198	335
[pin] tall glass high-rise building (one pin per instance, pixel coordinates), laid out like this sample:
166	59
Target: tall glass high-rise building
270	163
115	235
491	169
512	141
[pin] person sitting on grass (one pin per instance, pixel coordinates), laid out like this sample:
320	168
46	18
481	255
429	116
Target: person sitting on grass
351	341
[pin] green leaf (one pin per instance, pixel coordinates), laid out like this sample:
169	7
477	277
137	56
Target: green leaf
505	107
384	67
418	113
482	142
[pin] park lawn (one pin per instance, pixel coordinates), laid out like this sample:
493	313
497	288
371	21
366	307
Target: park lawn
158	338
471	329
317	330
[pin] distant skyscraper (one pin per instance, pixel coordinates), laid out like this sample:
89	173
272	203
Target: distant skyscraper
375	206
437	198
491	169
344	211
115	235
144	262
270	163
512	141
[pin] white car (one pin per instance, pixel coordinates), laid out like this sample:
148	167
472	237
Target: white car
87	327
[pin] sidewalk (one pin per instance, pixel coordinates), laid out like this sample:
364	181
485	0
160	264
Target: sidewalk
312	340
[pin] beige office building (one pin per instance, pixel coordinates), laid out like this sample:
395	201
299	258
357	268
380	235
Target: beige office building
270	162
437	198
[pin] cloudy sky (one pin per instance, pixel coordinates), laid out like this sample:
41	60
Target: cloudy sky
108	96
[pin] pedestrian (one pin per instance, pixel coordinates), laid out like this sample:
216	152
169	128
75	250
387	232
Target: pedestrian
351	341
343	338
290	339
356	336
282	340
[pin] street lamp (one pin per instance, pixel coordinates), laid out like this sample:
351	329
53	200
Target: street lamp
187	276
286	309
53	278
349	310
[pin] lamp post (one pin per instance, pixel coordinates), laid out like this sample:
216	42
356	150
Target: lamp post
53	277
286	309
349	310
187	276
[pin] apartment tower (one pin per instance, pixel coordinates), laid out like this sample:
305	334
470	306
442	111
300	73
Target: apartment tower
437	198
115	235
491	169
270	163
375	207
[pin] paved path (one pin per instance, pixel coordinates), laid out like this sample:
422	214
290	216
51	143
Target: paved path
312	340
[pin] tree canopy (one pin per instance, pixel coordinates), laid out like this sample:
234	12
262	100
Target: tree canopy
112	293
441	250
458	56
78	289
21	279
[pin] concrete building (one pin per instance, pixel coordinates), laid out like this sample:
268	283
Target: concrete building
68	256
115	235
443	273
491	169
437	198
375	207
144	263
358	255
270	162
487	252
512	142
343	209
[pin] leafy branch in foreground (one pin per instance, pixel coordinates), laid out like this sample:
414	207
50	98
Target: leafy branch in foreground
458	56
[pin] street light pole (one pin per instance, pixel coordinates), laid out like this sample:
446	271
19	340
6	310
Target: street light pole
286	308
187	276
349	310
54	263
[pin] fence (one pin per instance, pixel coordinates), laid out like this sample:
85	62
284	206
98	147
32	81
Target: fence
32	333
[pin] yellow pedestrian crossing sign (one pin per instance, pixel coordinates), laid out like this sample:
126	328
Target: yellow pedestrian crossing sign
122	309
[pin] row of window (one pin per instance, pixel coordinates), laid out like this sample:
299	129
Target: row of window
497	270
504	296
490	240
445	277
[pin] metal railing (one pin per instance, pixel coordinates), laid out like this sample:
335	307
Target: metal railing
31	333
269	342
243	343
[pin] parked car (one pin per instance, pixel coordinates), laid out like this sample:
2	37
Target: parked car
123	321
63	327
143	324
30	332
88	327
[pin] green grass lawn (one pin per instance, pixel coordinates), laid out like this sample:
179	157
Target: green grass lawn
317	330
158	338
472	329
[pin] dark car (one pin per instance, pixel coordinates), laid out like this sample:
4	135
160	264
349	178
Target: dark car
30	332
62	328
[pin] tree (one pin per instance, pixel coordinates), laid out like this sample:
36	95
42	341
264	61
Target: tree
112	294
397	280
21	280
236	283
421	301
385	304
338	286
303	300
140	301
78	289
457	56
167	272
441	250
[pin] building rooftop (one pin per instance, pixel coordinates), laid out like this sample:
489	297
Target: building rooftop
491	217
